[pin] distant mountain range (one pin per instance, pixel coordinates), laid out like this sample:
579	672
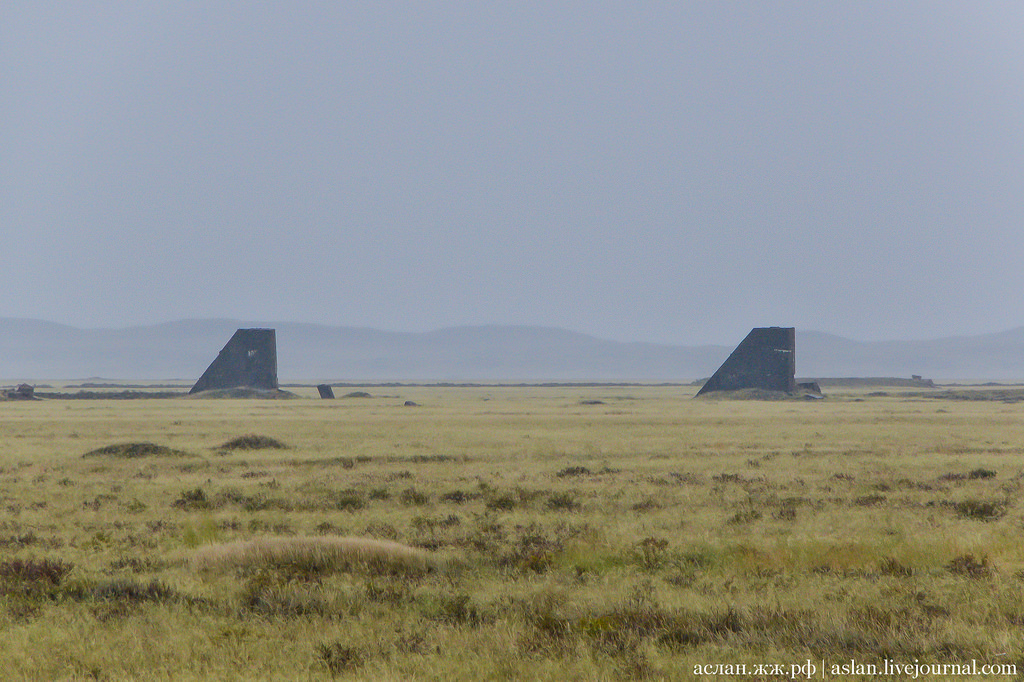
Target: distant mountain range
32	350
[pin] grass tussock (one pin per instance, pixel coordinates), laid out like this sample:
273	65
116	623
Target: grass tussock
136	450
320	555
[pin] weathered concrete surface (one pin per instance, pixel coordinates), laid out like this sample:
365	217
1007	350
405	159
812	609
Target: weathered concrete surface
765	359
249	359
326	392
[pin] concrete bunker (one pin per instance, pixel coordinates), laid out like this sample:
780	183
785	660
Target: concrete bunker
248	360
765	359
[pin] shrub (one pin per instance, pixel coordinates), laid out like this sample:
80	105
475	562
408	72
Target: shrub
348	500
981	511
787	512
454	609
411	496
339	658
132	592
573	471
503	503
744	516
646	505
967	566
379	494
892	567
563	502
458	497
649	553
52	571
273	596
428	459
135	450
381	530
253	442
192	499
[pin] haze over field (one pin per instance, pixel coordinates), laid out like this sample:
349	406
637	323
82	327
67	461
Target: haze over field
33	350
663	172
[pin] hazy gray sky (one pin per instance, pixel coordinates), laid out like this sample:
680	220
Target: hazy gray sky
657	171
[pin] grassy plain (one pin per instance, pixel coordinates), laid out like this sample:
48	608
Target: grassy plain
561	533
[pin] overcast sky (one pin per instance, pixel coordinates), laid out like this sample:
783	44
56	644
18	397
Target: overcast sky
674	172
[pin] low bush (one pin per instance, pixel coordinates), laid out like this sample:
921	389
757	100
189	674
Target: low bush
459	497
967	566
563	502
253	441
413	497
339	658
51	571
136	450
978	510
347	500
192	499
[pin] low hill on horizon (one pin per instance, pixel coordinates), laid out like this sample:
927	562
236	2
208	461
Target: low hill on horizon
33	350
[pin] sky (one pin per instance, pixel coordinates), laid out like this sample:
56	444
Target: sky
673	172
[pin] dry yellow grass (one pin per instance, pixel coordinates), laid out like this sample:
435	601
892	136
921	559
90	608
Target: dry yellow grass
635	537
323	554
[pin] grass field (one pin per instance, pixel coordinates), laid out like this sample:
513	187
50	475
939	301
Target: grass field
550	533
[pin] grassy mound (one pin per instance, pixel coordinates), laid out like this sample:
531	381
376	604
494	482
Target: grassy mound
253	441
134	450
753	394
317	555
245	392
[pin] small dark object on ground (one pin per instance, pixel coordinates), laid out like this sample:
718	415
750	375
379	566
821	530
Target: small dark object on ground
357	394
573	471
592	402
409	403
253	441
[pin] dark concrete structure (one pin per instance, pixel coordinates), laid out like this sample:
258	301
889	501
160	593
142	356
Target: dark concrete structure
809	386
249	359
766	359
326	392
22	392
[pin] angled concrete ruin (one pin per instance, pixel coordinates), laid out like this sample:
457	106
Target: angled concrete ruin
248	360
326	392
765	359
